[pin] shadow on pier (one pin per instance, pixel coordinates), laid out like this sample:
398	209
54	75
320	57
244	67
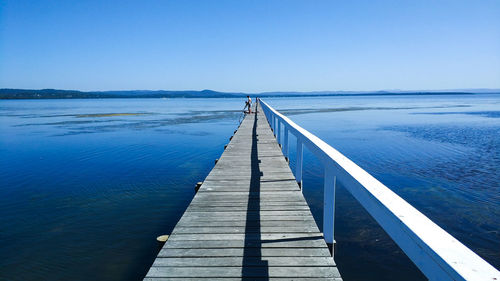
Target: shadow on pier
253	264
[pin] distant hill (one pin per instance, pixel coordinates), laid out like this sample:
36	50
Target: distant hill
73	94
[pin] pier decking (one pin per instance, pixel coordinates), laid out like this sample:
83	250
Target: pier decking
248	221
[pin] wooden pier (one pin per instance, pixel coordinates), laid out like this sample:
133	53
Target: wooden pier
248	221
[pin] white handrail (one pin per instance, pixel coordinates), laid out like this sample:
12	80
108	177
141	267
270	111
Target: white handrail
434	251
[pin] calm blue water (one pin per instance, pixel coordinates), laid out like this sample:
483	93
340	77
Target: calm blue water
83	193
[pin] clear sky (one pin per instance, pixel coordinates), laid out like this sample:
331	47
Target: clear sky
250	46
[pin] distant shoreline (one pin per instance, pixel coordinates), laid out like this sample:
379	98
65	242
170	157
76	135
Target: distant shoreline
72	94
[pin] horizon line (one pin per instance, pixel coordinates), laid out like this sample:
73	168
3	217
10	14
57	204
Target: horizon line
263	92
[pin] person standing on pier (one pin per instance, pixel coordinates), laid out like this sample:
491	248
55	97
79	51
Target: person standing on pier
248	104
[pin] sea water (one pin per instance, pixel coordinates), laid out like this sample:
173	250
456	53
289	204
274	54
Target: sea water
87	185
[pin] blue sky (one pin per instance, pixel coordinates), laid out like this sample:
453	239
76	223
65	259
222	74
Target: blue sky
250	46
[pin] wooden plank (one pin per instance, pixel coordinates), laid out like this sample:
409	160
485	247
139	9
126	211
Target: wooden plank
253	222
249	213
226	271
238	229
244	278
242	223
209	196
238	261
202	244
248	221
264	237
244	204
262	194
238	208
242	217
250	252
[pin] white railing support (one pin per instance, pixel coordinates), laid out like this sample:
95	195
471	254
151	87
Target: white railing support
435	252
298	163
274	118
329	205
271	122
278	131
285	141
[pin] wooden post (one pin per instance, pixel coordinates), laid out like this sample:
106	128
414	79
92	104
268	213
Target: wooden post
162	238
298	165
329	205
197	187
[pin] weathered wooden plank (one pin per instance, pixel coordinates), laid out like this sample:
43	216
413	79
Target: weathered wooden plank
239	279
242	217
239	229
244	204
228	197
226	271
247	172
188	221
257	193
228	183
247	188
267	195
251	261
264	237
238	208
317	242
248	214
262	184
246	252
263	178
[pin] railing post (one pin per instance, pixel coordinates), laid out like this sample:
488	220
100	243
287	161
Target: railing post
280	141
274	125
285	141
298	165
278	131
271	121
329	205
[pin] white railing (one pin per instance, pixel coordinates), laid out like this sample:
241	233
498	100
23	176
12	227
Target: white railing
435	252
